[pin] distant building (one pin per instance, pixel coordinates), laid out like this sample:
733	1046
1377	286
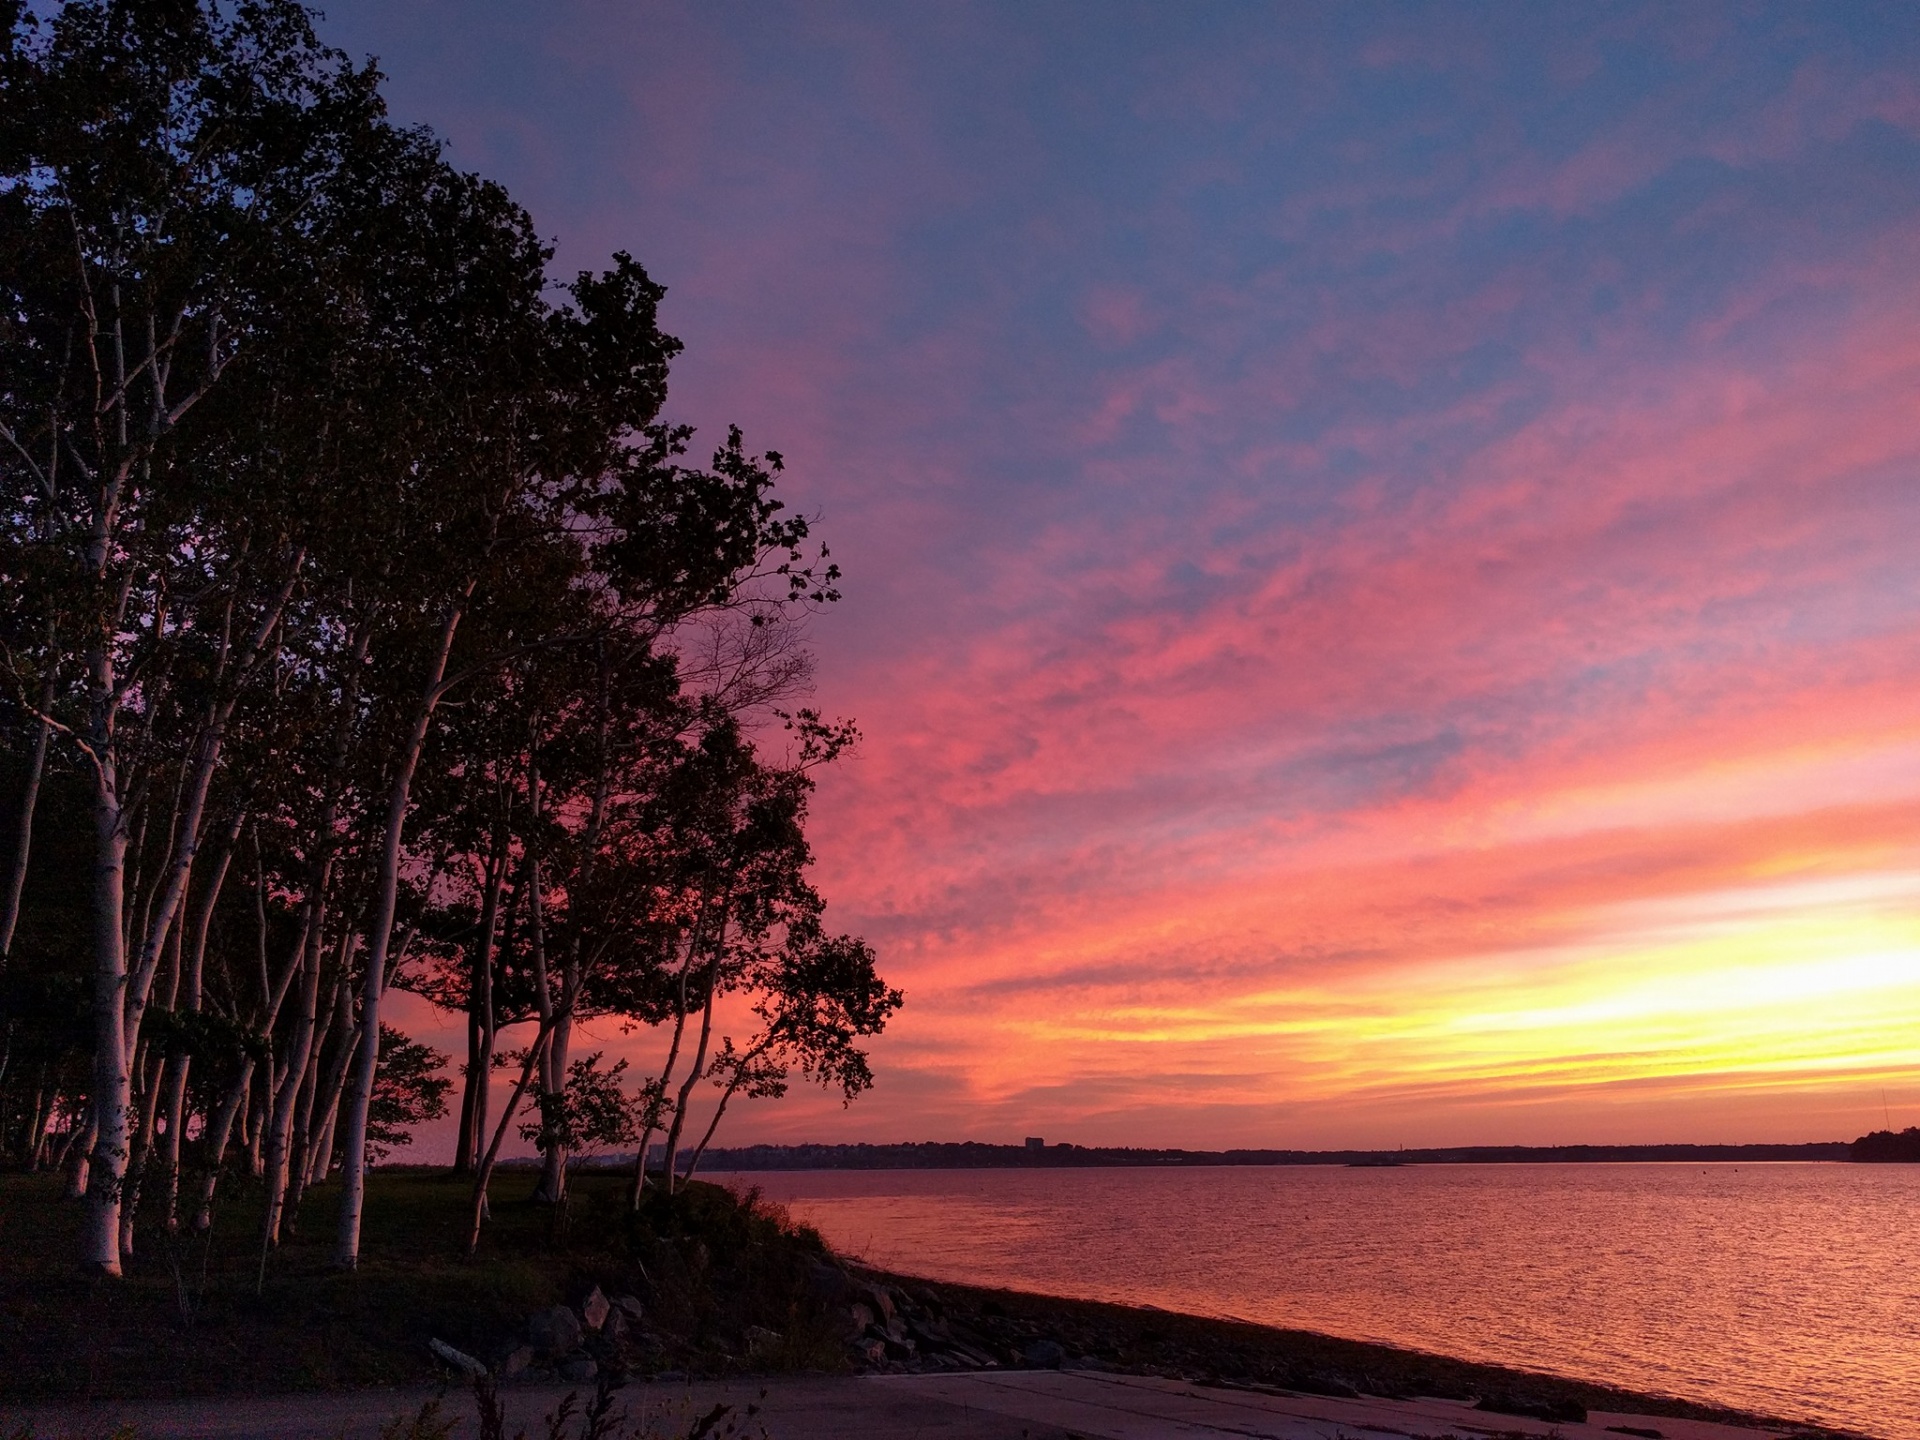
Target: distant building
1034	1142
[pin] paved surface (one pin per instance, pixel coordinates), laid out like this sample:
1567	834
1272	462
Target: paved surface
981	1405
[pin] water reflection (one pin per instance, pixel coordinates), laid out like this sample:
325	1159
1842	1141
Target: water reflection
1788	1288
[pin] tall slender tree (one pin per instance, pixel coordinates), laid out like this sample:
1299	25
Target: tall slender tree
298	443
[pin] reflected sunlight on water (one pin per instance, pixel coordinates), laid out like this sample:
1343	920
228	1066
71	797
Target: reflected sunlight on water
1786	1288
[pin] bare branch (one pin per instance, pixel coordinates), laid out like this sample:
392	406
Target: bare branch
46	717
39	475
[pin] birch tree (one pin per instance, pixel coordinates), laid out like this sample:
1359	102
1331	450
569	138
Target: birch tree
300	442
153	157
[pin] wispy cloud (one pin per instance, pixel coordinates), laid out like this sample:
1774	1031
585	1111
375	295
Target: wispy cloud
1380	540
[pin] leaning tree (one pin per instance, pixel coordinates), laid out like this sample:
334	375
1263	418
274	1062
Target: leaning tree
355	590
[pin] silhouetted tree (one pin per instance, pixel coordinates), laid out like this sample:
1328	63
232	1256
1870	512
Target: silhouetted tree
355	594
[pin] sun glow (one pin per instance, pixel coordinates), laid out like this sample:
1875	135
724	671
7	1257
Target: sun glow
1743	994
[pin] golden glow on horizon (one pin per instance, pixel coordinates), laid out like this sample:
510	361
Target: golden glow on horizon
1802	984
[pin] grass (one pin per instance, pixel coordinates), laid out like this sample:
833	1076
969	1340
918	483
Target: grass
195	1315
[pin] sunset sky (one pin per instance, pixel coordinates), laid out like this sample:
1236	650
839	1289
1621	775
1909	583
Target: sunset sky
1383	542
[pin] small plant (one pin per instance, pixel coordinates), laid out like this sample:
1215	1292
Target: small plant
426	1424
600	1420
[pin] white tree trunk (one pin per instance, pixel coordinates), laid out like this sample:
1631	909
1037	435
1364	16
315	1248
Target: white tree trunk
346	1252
299	1060
480	1023
23	833
181	1065
483	1173
698	1068
327	1103
112	1084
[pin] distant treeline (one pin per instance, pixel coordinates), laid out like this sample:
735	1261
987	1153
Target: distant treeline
971	1155
1887	1146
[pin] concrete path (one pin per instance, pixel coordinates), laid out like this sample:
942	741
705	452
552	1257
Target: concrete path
1127	1407
978	1405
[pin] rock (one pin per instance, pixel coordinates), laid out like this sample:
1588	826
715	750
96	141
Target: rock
852	1322
517	1362
615	1328
594	1309
629	1305
880	1298
1568	1410
578	1368
870	1352
971	1355
899	1349
1321	1385
554	1331
929	1332
458	1359
1044	1355
762	1341
828	1283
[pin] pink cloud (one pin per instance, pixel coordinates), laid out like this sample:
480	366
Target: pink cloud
1319	509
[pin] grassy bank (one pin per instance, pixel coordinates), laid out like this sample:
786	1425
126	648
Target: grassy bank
719	1285
198	1316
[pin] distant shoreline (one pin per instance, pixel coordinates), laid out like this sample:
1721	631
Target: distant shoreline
971	1155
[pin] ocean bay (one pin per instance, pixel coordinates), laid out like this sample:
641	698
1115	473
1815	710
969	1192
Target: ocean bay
1781	1288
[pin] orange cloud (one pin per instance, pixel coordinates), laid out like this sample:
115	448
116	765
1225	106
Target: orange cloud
1381	569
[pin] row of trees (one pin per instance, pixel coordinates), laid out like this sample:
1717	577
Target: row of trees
364	624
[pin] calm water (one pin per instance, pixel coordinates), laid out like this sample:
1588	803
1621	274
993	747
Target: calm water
1787	1288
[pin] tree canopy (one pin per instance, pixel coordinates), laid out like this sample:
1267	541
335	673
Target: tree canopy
371	626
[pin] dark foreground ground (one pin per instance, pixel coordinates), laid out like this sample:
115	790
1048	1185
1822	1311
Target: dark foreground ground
974	1405
710	1287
